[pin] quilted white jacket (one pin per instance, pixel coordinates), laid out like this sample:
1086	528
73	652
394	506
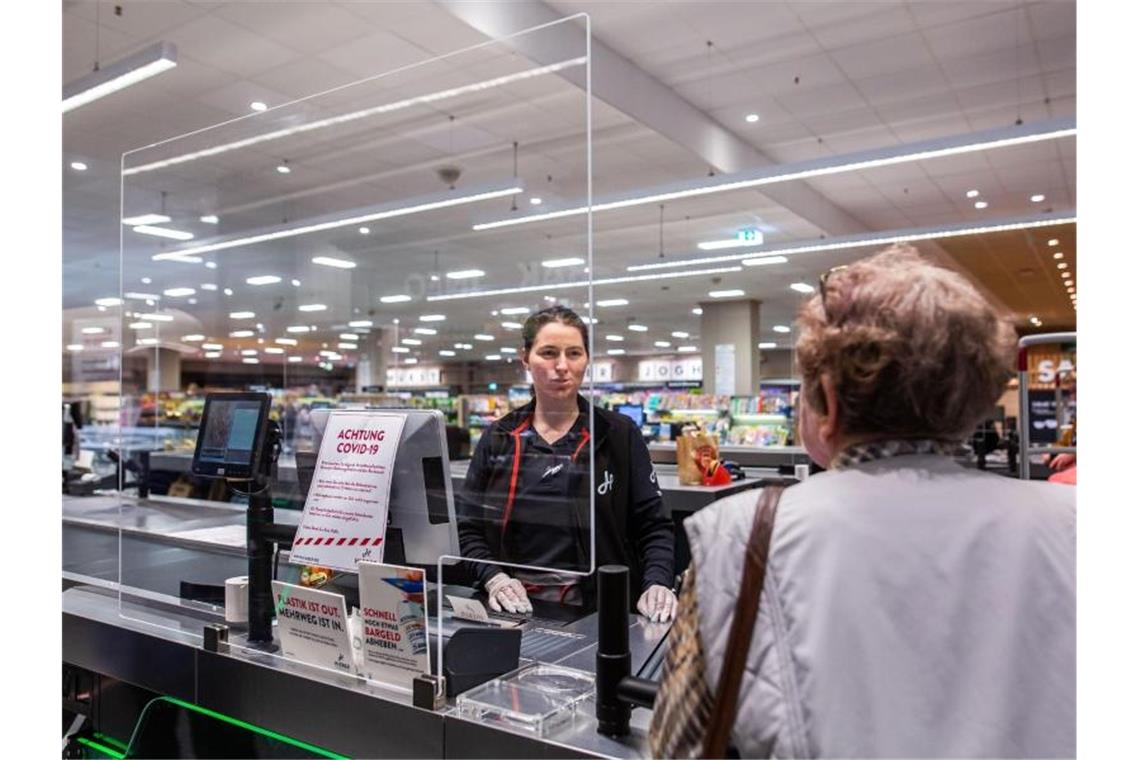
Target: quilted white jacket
912	608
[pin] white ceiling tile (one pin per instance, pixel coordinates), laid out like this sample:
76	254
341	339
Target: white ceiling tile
375	54
904	84
834	124
302	78
790	76
980	35
874	21
307	27
882	56
245	53
840	96
1054	19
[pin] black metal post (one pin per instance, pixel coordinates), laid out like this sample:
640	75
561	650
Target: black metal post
258	516
613	659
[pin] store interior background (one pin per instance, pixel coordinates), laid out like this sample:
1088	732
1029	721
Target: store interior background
715	89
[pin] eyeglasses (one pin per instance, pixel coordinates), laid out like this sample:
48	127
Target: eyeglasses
823	278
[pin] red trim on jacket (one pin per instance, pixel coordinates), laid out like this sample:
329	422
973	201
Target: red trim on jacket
517	435
585	438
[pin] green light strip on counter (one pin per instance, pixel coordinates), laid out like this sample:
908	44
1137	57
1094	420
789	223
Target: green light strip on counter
119	745
256	729
101	748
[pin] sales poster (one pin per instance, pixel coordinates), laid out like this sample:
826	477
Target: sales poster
394	635
312	626
346	511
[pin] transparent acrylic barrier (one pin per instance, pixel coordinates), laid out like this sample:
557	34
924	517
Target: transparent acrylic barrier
333	253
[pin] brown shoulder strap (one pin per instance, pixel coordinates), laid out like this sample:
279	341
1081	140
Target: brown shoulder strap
740	635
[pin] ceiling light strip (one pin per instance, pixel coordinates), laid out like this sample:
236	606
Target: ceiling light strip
583	283
385	211
857	161
398	105
120	74
910	235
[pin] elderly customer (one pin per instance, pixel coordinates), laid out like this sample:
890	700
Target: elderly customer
911	607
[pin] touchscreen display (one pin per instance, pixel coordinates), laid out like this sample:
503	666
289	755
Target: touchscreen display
634	412
228	438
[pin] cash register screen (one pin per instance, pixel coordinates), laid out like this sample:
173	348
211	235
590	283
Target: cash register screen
231	434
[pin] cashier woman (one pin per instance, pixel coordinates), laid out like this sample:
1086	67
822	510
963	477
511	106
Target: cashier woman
525	500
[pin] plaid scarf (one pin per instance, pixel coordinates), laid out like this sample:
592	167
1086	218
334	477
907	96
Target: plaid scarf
869	452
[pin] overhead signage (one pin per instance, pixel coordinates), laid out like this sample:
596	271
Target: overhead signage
346	511
412	377
665	370
394	636
312	626
601	372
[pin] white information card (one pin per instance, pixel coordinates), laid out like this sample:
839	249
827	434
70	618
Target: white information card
346	510
394	636
313	626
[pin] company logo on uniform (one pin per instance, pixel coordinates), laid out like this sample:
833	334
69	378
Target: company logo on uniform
553	469
607	483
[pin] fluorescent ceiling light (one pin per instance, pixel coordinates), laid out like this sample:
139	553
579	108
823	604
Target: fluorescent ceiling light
147	341
365	230
766	344
109	344
492	357
92	330
857	161
156	317
1037	198
432	317
135	296
163	232
74	346
209	219
716	245
273	350
312	307
263	279
213	346
349	336
425	331
874	239
972	193
585	283
122	73
1054	241
698	310
193	338
483	337
687	349
765	261
511	325
433	97
145	219
615	351
208	286
980	204
242	334
212	354
447	352
140	325
108	301
679	334
781	328
638	328
283	169
535	201
286	341
294	359
411	360
257	105
328	354
329	261
228	291
242	315
511	311
445	199
360	323
736	293
412	342
662	343
79	166
178	292
249	352
508	350
395	299
1059	255
250	360
465	274
573	261
297	329
296	283
802	287
347	346
615	338
401	349
752	118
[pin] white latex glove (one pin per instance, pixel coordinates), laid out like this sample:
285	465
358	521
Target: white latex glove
658	604
507	593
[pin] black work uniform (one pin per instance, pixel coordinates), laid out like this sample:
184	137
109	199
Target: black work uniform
526	501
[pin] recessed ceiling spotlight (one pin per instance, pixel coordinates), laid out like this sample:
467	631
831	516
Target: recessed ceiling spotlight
679	334
257	105
638	328
752	118
249	352
365	230
802	287
662	343
972	193
79	166
145	281
698	310
228	291
781	328
1070	290
208	219
980	204
283	168
1037	198
447	352
535	201
1062	265
1059	255
211	265
766	344
296	283
1054	241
